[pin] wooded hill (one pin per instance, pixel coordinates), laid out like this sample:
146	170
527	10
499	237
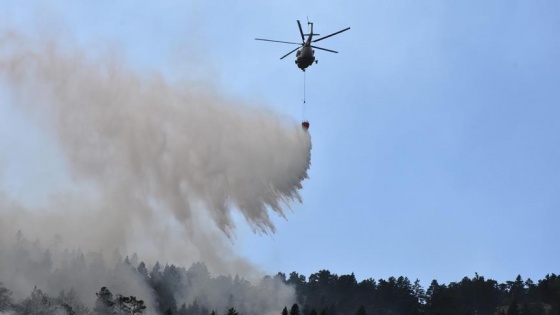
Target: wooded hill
322	293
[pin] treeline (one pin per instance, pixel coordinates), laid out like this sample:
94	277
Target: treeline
325	293
87	284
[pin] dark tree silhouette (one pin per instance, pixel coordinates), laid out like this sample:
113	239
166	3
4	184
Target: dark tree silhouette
71	303
295	309
231	311
122	304
361	310
104	305
137	306
330	293
513	308
5	298
143	271
38	304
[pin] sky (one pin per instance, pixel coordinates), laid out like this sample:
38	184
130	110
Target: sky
434	129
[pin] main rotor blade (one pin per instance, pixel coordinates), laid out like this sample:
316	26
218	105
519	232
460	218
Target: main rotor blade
344	30
277	41
300	32
286	55
336	52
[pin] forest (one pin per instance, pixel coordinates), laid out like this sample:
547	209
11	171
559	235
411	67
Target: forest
170	289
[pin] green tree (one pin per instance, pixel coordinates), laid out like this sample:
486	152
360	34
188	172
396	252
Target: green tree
440	299
536	309
396	296
122	304
137	306
419	292
142	270
298	281
281	277
231	311
513	308
5	298
285	311
71	304
38	304
295	309
517	289
183	310
194	308
104	305
296	278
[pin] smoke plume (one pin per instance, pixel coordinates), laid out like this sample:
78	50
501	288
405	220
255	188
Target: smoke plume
161	167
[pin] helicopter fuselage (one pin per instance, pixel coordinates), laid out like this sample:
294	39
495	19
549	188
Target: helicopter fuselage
305	57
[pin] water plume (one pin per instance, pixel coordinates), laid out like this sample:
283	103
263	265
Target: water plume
164	165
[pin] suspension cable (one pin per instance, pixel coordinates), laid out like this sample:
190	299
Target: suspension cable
303	109
303	87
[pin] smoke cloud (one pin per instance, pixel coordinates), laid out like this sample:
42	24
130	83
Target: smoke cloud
160	167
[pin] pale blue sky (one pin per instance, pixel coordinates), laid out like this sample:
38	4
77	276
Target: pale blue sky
435	129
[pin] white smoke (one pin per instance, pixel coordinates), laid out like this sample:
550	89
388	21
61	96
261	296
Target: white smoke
165	165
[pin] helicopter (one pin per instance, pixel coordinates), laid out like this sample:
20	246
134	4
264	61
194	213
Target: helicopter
306	55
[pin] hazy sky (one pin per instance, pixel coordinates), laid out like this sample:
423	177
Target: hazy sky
435	129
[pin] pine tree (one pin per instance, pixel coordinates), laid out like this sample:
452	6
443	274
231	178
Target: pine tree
71	303
5	298
104	305
295	309
513	308
136	305
122	304
143	271
38	304
232	311
419	292
183	309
